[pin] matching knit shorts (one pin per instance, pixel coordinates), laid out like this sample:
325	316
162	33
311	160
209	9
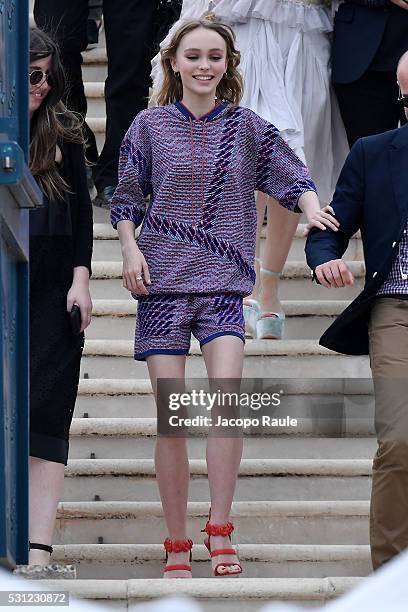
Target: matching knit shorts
164	323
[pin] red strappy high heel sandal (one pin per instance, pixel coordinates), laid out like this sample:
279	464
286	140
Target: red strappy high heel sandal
177	546
221	530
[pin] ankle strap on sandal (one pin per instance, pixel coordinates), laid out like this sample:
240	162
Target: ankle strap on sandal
212	529
177	546
271	272
36	546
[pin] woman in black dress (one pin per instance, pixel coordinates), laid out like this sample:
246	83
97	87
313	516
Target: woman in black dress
60	265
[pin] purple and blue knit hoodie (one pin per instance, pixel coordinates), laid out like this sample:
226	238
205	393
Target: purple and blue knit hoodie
199	228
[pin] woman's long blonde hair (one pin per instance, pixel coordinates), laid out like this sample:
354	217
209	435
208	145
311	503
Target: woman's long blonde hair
230	88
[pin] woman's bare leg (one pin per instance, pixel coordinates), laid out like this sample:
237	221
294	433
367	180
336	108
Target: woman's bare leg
280	231
261	199
224	360
46	483
171	462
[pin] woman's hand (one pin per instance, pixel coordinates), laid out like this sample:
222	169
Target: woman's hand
135	270
79	294
321	218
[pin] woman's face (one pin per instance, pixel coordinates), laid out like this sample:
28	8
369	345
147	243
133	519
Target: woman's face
201	60
38	93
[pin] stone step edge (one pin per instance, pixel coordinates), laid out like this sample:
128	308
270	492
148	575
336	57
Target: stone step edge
292	308
314	589
103	270
71	553
249	467
97	124
125	348
130	386
94	56
94	89
114	386
105	231
102	510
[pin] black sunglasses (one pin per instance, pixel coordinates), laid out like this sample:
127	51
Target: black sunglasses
403	98
37	77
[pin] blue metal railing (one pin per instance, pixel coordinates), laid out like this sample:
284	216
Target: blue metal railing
18	192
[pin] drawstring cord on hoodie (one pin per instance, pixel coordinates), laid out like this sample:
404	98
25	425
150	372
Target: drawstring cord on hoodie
202	169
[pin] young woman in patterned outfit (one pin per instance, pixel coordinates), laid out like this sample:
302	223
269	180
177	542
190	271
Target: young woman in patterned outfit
200	162
285	63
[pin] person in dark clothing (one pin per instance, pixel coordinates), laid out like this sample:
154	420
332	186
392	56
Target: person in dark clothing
371	195
60	265
369	38
130	29
94	23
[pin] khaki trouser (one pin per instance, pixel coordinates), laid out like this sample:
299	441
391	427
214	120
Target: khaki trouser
388	333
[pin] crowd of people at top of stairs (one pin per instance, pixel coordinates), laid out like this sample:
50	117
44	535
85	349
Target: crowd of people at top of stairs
195	263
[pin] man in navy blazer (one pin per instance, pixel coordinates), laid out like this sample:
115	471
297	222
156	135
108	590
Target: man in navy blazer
369	38
372	196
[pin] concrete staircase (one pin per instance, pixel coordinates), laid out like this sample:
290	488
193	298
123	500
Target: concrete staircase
302	501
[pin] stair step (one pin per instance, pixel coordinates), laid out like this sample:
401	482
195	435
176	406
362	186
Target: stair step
296	348
300	358
95	97
290	479
97	124
277	522
248	467
298	386
280	446
323	407
95	65
129	561
352	416
146	427
249	593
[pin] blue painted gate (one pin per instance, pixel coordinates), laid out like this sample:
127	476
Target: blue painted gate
18	192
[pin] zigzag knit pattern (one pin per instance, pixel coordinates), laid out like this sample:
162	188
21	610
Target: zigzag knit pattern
226	307
156	316
198	232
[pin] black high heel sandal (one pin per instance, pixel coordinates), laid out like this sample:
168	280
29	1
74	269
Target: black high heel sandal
36	546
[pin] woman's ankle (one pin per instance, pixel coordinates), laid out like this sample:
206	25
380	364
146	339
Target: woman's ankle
269	295
39	557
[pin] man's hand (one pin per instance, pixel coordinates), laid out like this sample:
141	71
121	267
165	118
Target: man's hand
401	3
334	273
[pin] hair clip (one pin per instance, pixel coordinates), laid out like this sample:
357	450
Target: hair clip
211	16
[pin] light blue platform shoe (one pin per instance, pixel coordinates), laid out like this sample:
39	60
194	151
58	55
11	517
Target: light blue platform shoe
251	315
269	325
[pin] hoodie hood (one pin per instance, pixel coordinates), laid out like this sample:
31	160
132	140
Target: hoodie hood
181	112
